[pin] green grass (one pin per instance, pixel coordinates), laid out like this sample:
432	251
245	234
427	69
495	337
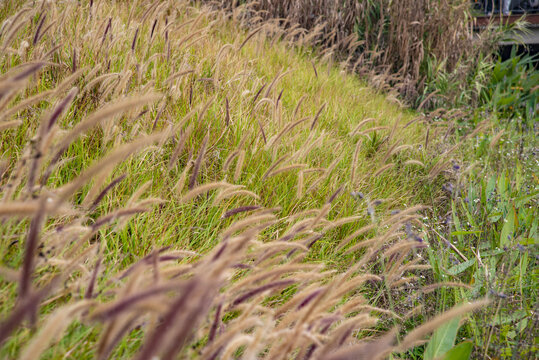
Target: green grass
237	76
197	226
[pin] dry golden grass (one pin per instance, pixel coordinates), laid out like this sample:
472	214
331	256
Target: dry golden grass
154	92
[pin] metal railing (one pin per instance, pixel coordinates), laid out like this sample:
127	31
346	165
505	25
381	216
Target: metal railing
506	7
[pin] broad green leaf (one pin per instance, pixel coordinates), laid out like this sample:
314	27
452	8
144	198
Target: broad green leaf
485	246
461	351
522	324
507	100
456	222
518	181
455	233
507	319
457	269
490	192
493	252
508	229
523	268
503	188
483	192
533	231
442	339
491	187
494	216
523	200
468	207
529	241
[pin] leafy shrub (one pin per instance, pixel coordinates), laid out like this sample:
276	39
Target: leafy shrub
512	90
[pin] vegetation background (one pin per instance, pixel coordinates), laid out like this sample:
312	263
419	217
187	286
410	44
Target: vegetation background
213	180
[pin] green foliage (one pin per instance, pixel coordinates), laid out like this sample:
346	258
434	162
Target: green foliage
458	88
512	91
508	217
495	226
461	351
442	339
489	238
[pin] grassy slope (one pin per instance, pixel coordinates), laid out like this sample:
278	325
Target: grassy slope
237	76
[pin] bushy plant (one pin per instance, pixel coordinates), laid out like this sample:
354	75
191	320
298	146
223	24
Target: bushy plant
512	90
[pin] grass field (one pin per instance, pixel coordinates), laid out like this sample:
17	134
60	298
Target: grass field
173	185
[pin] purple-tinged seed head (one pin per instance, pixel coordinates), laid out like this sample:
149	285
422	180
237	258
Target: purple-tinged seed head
309	298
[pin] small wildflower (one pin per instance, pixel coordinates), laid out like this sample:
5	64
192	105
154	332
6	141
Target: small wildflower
357	194
498	294
448	187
